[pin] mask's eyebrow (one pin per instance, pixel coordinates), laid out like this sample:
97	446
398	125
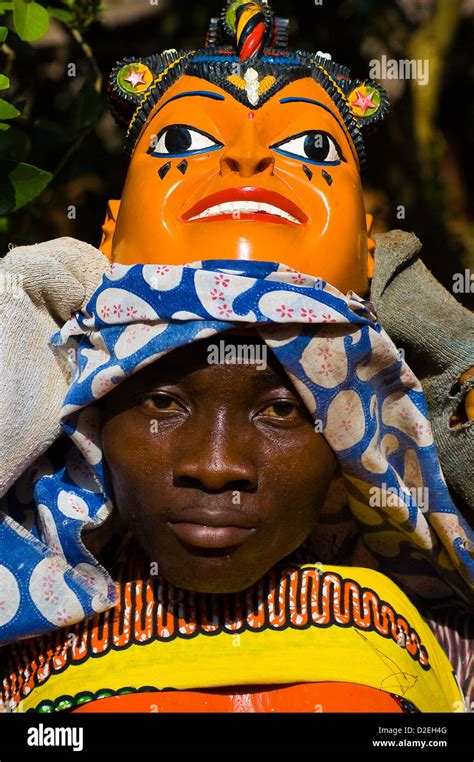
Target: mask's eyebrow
326	108
190	94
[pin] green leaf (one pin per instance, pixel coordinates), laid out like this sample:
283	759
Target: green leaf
4	82
4	127
7	110
31	20
20	184
14	144
3	33
61	14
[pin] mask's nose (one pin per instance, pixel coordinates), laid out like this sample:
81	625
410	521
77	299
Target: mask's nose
247	155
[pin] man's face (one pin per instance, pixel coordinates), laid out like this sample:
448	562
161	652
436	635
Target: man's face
216	468
211	178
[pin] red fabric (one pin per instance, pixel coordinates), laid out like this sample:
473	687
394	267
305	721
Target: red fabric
300	697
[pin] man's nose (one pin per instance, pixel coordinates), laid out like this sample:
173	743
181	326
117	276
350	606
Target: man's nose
216	457
247	155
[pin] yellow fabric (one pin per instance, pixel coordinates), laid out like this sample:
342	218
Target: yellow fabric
286	647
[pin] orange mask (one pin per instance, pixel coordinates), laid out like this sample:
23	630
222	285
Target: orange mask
293	156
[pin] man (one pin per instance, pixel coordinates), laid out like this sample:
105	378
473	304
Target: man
198	484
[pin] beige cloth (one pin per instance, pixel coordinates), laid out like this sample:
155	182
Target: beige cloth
40	286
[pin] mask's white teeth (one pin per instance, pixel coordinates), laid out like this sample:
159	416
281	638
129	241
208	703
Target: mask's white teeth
234	207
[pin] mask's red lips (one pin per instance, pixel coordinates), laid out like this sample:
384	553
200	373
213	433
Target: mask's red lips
247	203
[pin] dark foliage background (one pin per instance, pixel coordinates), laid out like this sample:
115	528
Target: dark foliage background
421	158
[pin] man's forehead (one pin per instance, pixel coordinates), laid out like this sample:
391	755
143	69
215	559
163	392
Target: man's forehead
218	354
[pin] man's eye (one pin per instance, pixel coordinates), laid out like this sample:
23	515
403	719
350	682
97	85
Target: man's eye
287	410
315	146
181	140
162	402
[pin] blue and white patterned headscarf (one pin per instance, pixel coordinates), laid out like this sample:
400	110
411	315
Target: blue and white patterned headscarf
348	373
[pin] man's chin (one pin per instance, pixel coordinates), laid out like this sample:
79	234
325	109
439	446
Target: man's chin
217	581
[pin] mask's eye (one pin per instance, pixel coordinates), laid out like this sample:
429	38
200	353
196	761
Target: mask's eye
180	140
315	147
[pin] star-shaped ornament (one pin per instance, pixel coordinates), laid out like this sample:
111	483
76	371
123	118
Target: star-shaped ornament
135	77
364	101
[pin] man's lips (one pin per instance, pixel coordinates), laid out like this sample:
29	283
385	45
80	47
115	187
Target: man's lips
203	536
246	203
203	529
